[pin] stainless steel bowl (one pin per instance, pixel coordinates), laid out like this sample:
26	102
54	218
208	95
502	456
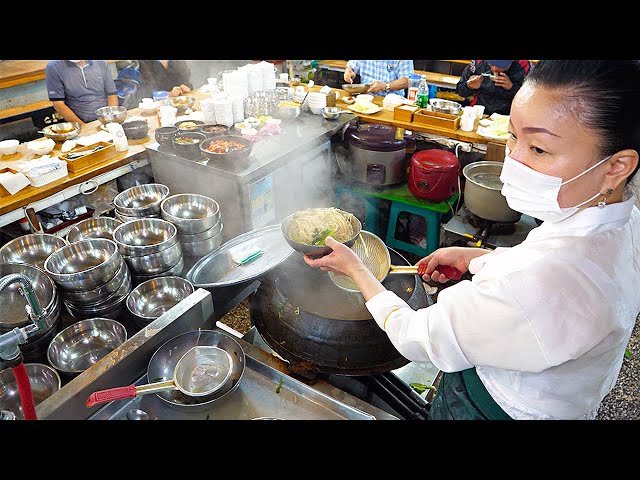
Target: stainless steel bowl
332	113
154	297
106	301
32	249
198	237
82	344
182	102
145	236
203	247
44	382
60	132
126	218
111	114
111	309
445	106
155	262
355	88
172	272
191	213
141	200
84	265
12	303
287	113
98	227
102	293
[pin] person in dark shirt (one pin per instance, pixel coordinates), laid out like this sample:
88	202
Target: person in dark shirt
493	83
174	76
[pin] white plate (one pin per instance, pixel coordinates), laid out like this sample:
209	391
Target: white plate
369	112
482	132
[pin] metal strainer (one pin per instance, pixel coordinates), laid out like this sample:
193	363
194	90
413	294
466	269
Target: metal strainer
375	255
201	371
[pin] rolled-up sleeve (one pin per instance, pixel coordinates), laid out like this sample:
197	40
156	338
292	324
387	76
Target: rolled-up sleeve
54	83
472	324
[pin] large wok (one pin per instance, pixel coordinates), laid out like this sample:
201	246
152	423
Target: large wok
319	327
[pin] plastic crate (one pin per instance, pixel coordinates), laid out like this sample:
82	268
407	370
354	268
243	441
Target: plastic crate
40	180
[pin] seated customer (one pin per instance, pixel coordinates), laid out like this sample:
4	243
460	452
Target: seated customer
78	88
493	83
384	76
174	76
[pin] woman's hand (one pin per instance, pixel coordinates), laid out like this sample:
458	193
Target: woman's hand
502	80
342	260
457	257
474	82
349	75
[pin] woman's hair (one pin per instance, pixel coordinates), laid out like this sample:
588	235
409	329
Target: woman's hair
603	94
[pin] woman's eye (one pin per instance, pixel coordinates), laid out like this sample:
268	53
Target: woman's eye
512	136
539	151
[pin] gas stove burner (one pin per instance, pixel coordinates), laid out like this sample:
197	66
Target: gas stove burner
491	227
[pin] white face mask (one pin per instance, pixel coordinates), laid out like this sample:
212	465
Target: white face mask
536	194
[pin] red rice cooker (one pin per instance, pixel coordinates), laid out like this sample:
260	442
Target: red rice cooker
433	174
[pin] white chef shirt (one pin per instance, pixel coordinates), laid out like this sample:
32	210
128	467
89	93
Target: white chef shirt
545	322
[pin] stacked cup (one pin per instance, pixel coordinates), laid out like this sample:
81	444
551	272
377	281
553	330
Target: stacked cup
224	111
150	248
198	221
268	75
208	110
141	201
237	108
92	278
316	102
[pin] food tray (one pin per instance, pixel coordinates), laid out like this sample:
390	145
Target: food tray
91	158
437	119
254	398
40	180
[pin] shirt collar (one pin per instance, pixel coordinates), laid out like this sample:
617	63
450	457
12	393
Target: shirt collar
589	221
71	64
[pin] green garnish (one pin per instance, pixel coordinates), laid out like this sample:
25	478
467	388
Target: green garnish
320	237
628	353
279	386
421	387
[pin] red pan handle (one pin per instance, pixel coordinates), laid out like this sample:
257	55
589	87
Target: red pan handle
110	394
448	271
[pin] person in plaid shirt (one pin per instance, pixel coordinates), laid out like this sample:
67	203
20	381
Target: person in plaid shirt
385	76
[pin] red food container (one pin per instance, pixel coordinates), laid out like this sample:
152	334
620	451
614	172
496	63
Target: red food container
433	174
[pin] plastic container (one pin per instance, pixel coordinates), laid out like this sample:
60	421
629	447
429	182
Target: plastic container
161	97
412	90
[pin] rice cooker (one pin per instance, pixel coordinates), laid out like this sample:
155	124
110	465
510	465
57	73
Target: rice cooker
375	155
433	174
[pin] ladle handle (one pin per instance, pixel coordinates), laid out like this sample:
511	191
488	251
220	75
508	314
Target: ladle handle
110	394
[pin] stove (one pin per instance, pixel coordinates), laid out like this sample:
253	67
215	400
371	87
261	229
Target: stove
467	229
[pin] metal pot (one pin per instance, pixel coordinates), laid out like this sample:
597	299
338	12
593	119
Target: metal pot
482	195
319	327
375	156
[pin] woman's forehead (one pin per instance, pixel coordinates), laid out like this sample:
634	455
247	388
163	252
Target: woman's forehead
550	108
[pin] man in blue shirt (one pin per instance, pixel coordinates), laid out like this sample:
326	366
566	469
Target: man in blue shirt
78	88
385	76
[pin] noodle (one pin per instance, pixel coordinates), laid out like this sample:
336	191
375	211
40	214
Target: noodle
313	225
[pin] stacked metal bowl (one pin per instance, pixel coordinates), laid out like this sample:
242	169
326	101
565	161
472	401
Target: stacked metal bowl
150	247
154	297
141	201
198	221
32	249
12	306
97	227
92	278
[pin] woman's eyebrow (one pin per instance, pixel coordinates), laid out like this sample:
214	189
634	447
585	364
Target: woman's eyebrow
536	130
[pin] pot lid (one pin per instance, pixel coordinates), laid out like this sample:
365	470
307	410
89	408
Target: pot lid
374	136
220	268
435	159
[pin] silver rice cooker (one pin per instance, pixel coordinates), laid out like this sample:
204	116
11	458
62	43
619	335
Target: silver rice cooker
374	153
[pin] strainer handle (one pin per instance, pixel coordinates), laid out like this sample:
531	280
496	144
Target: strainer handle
448	271
110	394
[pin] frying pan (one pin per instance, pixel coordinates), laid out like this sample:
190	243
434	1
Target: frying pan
202	371
375	255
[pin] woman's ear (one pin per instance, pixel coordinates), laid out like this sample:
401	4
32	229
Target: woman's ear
623	164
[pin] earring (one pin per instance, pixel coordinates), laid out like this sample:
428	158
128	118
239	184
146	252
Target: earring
603	202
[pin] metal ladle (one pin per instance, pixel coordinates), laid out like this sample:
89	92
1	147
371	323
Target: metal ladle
189	376
375	255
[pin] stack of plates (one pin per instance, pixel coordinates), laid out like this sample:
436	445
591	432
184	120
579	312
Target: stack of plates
254	79
208	110
224	111
316	102
235	83
237	107
268	76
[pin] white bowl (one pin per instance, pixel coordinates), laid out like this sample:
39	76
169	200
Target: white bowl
316	110
9	147
364	97
41	147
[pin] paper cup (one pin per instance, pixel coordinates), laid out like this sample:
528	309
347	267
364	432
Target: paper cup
479	110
